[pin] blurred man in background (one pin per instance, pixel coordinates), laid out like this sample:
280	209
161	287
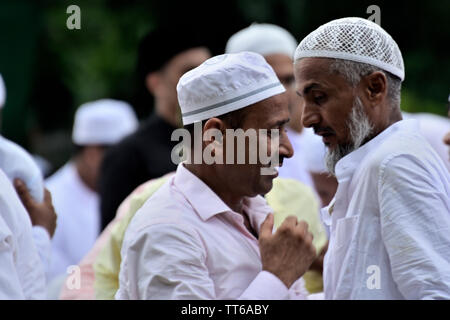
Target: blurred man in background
97	125
22	171
165	55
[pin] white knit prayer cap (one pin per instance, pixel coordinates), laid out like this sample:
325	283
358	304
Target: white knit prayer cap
2	92
354	39
262	38
226	83
103	122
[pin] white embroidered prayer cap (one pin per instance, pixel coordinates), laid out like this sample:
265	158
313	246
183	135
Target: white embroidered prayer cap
354	39
262	38
2	92
103	122
226	83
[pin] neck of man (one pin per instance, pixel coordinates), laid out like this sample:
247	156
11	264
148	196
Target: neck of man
209	177
84	174
394	116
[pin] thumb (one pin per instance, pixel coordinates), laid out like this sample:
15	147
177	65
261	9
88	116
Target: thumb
47	196
23	193
266	226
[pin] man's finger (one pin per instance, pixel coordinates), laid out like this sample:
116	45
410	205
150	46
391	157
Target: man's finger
266	226
22	191
290	221
47	196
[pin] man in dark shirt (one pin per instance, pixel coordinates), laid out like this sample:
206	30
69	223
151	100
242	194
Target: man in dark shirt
164	56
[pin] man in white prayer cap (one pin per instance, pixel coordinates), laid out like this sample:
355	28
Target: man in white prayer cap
390	217
19	167
97	125
206	233
277	46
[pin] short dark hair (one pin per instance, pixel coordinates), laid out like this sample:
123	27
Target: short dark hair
234	120
160	45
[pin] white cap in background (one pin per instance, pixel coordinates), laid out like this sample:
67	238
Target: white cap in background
103	122
264	39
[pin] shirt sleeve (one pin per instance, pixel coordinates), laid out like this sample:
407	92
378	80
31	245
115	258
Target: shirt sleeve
10	286
44	246
415	223
167	261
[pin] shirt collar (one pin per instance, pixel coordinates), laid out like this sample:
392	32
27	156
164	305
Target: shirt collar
348	164
208	204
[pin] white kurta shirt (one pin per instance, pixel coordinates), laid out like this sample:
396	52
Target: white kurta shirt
186	243
390	220
78	224
21	272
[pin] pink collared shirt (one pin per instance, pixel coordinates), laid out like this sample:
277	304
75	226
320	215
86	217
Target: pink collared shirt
186	243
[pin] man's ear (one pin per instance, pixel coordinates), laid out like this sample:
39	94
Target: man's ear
215	124
152	82
376	87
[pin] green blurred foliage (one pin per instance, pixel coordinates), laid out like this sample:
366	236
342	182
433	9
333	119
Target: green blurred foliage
51	70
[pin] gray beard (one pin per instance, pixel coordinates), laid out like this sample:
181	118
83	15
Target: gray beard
360	129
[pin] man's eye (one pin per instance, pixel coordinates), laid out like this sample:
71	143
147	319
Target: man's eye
319	99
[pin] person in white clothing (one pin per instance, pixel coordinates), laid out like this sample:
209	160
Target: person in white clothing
97	125
390	217
434	128
23	172
207	232
21	270
277	46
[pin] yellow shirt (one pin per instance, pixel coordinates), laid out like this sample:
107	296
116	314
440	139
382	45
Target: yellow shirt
287	197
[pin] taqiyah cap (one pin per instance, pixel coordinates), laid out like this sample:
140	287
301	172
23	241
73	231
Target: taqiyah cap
354	39
226	83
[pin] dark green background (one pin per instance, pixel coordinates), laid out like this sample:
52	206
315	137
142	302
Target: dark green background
50	70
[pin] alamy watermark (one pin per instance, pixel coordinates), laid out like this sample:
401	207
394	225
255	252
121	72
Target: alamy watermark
74	20
376	14
73	280
374	280
242	147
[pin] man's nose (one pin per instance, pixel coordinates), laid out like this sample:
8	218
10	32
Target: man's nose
286	149
310	116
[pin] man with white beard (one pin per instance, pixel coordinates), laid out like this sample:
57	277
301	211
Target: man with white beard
390	217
